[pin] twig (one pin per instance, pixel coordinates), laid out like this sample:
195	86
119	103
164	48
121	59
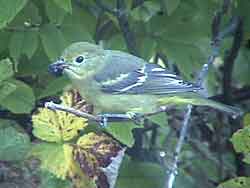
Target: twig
219	146
122	18
237	95
137	3
173	171
52	106
27	26
121	15
110	117
229	60
101	29
196	145
217	37
105	8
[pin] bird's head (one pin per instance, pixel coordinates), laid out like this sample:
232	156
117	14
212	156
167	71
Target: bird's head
78	61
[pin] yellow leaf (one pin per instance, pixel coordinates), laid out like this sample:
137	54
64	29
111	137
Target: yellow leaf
58	126
99	158
78	178
55	158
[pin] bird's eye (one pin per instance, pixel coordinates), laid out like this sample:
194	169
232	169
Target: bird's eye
79	59
61	59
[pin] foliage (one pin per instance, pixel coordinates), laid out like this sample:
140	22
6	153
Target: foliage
240	182
56	126
44	148
14	143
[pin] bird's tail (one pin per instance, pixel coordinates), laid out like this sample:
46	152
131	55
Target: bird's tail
199	101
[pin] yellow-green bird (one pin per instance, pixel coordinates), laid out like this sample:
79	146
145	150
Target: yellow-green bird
119	83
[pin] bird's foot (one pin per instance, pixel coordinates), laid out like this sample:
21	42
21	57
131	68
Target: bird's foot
137	118
105	118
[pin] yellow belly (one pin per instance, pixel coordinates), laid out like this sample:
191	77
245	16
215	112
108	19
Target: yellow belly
124	103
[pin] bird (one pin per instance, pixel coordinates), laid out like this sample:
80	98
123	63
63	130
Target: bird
116	82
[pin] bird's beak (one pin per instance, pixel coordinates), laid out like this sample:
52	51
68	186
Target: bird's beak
57	68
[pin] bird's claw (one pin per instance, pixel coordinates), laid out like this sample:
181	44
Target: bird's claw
103	120
137	118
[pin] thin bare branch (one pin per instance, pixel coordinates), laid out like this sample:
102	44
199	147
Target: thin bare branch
217	37
128	34
121	15
105	7
229	60
52	106
173	171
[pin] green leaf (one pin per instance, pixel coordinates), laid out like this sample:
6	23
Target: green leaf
50	89
75	33
241	143
116	42
242	9
28	15
186	179
122	132
147	47
188	17
6	69
21	100
9	9
23	43
145	11
55	13
37	65
242	66
54	158
239	182
160	119
140	174
64	4
14	143
246	120
190	58
6	88
241	140
52	40
206	166
190	50
49	180
4	38
171	5
78	26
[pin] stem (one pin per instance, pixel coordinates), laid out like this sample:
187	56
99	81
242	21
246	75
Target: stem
229	60
128	35
53	106
235	26
171	178
121	15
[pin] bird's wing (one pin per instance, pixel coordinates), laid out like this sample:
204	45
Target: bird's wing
132	75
